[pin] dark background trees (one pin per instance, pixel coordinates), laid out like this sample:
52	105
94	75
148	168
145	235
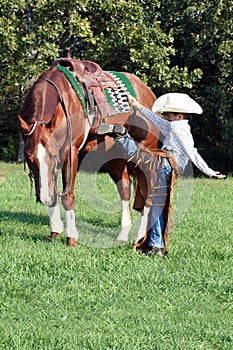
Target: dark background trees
171	45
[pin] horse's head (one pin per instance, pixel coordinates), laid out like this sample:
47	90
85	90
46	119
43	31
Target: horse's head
42	156
46	131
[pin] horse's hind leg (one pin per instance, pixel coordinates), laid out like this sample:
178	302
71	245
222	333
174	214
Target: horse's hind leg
117	169
143	224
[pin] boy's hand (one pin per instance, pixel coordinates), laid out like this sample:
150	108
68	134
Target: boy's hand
133	102
218	175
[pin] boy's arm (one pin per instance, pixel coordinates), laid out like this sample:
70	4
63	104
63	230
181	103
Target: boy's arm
197	160
161	124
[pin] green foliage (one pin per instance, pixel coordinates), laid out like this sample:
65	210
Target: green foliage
203	39
9	135
129	38
170	45
10	151
88	298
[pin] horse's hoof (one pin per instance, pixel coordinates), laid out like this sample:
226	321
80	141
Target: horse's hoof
122	238
53	236
71	242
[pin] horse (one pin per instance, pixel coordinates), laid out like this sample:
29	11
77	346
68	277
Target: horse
58	122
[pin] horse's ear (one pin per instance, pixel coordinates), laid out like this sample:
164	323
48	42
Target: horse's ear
24	126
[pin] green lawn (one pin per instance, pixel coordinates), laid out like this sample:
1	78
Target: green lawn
104	297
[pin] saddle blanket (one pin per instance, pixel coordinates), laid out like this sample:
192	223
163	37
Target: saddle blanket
117	97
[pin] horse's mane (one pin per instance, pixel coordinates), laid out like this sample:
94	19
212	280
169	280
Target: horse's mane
35	107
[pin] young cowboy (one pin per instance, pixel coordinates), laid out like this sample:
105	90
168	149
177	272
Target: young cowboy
178	141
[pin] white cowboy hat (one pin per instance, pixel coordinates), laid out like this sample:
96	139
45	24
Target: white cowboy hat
176	102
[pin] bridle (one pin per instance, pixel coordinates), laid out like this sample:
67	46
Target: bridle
68	141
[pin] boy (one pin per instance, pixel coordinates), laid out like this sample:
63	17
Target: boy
178	141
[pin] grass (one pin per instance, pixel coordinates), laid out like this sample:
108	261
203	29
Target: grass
96	297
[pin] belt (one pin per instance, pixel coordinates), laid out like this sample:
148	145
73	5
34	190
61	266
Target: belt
169	155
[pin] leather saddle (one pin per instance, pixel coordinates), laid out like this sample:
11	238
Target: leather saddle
93	80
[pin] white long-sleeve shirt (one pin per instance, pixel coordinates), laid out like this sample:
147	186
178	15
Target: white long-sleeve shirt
179	140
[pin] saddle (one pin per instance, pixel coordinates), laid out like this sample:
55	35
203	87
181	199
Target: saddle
93	80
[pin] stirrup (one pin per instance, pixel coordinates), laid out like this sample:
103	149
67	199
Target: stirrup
116	129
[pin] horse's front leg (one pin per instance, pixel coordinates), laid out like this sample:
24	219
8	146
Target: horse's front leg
56	224
68	201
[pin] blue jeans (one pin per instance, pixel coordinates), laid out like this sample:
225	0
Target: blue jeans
164	172
128	145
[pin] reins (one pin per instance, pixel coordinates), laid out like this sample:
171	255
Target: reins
69	128
68	139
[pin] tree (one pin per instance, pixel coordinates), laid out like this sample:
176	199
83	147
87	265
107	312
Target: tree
128	37
170	45
203	40
32	35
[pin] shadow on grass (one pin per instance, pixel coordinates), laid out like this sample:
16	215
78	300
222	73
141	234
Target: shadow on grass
26	218
23	217
36	228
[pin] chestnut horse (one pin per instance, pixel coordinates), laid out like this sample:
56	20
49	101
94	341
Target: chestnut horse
58	124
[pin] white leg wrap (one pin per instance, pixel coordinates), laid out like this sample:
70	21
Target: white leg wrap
125	213
71	230
142	227
125	221
56	224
